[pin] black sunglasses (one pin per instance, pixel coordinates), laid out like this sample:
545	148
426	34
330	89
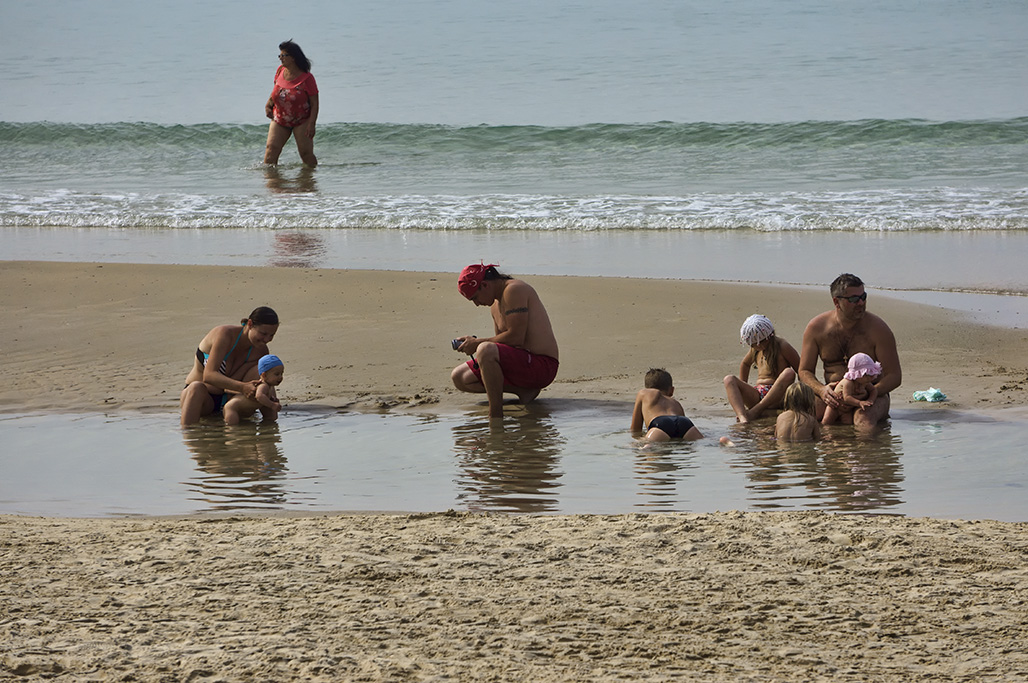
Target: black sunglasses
855	298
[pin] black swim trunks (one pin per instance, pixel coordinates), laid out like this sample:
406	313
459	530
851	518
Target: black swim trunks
675	426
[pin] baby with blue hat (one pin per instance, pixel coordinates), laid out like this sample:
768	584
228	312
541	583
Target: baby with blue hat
272	372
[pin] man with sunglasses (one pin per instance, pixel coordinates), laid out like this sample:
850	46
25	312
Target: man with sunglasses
836	335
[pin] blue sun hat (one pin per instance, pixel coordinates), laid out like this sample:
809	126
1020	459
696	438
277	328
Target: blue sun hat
268	362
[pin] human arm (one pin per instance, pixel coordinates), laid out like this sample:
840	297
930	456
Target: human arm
887	354
314	115
223	340
266	397
810	352
637	413
788	358
269	106
744	366
872	396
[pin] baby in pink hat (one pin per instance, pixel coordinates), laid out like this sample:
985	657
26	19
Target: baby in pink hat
857	387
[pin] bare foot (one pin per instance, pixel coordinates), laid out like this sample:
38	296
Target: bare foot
725	441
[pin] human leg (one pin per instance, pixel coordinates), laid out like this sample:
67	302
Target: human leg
488	357
277	136
774	396
465	379
237	408
740	396
305	144
657	434
867	420
830	416
195	402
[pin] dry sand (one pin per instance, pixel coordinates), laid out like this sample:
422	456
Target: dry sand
716	597
457	597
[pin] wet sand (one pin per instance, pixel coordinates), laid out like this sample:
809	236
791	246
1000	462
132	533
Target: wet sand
714	597
88	337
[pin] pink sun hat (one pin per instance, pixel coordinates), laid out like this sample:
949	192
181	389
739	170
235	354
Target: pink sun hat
862	364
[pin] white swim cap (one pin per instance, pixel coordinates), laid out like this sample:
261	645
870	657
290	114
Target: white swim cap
756	329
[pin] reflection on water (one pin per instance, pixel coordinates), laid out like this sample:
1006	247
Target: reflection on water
508	466
241	467
570	457
293	248
659	468
279	183
842	473
296	249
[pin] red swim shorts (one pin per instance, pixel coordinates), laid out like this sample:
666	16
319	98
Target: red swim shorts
522	369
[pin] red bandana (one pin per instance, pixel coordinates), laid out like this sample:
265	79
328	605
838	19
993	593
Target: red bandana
470	280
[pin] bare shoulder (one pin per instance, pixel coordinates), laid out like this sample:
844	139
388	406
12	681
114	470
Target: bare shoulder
519	285
647	394
819	323
877	325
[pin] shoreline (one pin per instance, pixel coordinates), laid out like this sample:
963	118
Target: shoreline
889	260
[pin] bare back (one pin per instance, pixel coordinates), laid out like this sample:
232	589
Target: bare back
520	300
795	426
650	404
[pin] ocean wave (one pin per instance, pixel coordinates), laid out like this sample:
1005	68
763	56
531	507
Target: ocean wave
662	135
938	209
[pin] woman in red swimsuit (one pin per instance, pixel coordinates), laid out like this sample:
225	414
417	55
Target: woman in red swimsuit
293	106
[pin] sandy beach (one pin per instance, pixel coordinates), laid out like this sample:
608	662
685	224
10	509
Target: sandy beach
434	597
451	596
86	337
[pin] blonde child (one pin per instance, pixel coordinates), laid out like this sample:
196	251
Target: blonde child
272	372
798	422
857	388
777	363
663	416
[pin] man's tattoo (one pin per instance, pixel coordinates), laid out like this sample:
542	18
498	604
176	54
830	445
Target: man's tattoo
523	309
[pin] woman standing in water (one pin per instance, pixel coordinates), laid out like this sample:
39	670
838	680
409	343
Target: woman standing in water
293	106
226	361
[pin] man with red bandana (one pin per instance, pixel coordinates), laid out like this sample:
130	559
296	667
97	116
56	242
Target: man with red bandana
521	357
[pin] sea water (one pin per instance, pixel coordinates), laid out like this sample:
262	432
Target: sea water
566	459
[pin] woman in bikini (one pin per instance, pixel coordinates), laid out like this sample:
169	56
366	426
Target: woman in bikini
293	106
226	362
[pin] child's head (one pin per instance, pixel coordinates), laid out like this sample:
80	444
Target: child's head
863	369
659	379
756	329
799	398
272	370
